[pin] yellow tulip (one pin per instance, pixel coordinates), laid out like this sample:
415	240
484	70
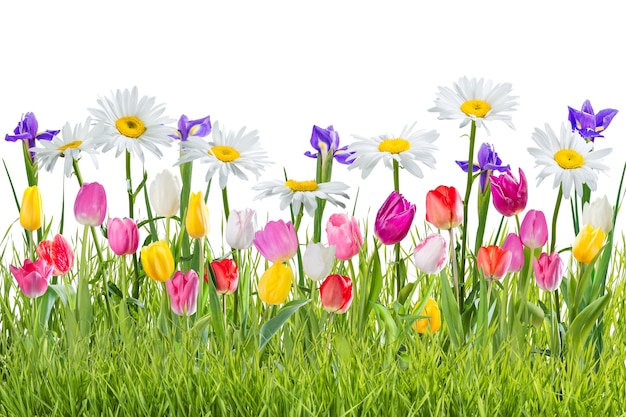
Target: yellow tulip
197	221
157	261
431	324
588	243
31	210
275	284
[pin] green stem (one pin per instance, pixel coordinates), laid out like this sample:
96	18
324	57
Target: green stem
556	320
468	192
397	249
225	202
131	214
555	216
455	268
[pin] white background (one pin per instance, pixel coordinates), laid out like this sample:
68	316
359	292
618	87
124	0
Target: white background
280	67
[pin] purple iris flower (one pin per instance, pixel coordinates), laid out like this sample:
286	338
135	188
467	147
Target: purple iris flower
186	128
326	141
589	124
488	161
27	129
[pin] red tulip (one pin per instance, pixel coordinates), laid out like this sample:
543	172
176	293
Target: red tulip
58	253
336	293
493	261
444	207
226	276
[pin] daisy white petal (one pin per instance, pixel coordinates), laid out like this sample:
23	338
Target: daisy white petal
302	193
407	148
572	161
476	100
130	124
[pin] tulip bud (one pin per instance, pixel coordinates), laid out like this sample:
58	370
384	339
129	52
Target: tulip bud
58	253
275	284
318	260
588	243
90	205
157	260
548	271
226	276
336	293
513	244
599	214
197	221
493	262
343	232
394	219
431	254
123	236
183	291
240	228
33	277
278	242
508	194
534	229
31	210
444	207
164	194
432	323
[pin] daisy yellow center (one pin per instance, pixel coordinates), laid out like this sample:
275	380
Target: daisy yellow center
130	126
569	159
301	185
71	145
225	153
478	108
394	145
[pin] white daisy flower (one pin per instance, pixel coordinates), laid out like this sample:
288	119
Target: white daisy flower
569	158
476	100
228	153
69	145
302	192
130	124
408	148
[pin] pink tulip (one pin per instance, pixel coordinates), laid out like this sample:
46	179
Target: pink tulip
90	205
548	271
394	219
33	277
493	262
431	254
509	195
123	236
336	293
58	253
444	207
514	244
183	291
278	242
343	232
534	229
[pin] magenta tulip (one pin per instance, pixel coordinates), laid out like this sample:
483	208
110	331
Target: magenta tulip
514	244
548	271
431	254
278	242
183	291
394	219
90	205
509	195
123	236
336	293
534	229
33	277
343	232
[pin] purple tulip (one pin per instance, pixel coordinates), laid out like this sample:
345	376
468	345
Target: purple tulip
548	271
513	244
588	124
534	229
488	161
90	206
394	219
278	242
326	141
123	236
186	128
28	129
509	195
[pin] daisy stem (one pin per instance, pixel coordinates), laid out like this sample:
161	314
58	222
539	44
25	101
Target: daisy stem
555	216
131	214
468	191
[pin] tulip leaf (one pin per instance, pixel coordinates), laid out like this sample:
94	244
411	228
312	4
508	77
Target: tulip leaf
450	312
386	319
274	324
583	323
